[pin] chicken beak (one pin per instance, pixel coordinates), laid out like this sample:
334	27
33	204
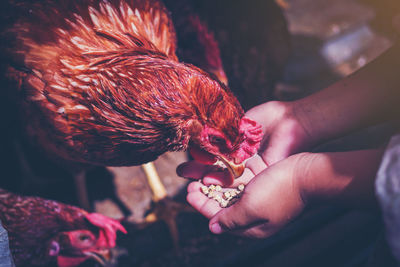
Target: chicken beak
236	170
103	257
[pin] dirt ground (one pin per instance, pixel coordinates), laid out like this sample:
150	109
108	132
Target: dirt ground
329	39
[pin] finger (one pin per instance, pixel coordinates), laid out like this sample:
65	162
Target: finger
194	170
206	206
272	154
244	179
222	178
194	187
261	230
278	151
236	217
256	164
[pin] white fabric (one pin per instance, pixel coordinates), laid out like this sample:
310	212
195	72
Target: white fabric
387	187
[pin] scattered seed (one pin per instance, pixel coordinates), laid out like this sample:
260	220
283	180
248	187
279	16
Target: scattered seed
218	198
224	196
205	190
227	195
223	204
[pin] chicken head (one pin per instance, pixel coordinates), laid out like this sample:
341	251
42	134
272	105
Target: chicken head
214	145
71	248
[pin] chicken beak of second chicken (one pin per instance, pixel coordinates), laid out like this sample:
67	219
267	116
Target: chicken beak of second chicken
102	257
236	170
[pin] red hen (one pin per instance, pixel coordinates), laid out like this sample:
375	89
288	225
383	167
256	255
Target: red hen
99	83
43	231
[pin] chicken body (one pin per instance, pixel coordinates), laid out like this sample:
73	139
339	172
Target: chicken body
99	84
44	231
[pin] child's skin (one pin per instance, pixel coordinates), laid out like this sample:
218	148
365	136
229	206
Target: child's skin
280	182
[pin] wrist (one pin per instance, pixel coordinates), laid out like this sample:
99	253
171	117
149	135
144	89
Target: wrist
339	177
311	119
302	118
301	172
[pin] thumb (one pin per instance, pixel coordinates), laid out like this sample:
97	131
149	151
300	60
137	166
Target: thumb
236	217
274	154
279	150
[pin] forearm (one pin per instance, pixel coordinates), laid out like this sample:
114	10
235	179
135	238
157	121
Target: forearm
340	177
369	96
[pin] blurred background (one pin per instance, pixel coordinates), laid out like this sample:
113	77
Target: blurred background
271	50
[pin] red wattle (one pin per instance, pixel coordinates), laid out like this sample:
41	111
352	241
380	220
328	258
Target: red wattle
202	156
69	261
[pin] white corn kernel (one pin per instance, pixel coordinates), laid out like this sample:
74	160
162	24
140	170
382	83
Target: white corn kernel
204	189
223	204
224	196
227	195
218	198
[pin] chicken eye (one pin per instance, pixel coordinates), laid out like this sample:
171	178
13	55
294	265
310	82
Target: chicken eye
84	237
216	140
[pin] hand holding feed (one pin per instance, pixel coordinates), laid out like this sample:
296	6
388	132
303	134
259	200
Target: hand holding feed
283	135
276	195
271	198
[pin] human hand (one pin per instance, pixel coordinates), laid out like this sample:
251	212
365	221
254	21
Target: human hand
284	132
271	198
284	135
275	195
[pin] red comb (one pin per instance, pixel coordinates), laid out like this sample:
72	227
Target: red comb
253	135
251	129
108	229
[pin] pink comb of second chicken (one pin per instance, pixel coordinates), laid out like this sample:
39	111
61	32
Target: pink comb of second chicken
108	229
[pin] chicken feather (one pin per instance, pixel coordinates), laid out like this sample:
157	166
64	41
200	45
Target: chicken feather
101	83
35	243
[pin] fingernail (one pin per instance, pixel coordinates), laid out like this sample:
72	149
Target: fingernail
216	228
